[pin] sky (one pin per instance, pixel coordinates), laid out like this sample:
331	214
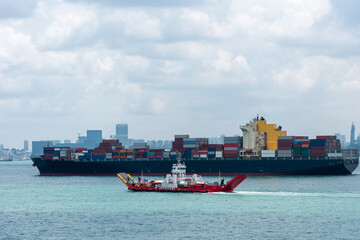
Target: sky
177	67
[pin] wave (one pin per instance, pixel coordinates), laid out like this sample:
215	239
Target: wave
294	194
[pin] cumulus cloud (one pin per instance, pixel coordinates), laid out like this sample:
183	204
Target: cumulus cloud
91	64
17	8
66	24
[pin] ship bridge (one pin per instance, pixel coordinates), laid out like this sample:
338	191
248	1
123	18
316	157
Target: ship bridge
258	135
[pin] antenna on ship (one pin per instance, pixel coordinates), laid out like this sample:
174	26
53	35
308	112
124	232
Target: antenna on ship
178	158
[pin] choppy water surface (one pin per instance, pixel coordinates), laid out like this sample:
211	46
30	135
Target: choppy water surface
91	207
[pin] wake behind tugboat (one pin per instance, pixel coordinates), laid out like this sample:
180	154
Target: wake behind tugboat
178	181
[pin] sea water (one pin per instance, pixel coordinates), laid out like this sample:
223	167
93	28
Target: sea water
94	207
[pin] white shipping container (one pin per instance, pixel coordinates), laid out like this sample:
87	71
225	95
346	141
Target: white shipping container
189	146
203	156
182	136
334	155
286	137
268	153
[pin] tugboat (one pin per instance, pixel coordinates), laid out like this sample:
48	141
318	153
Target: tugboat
178	181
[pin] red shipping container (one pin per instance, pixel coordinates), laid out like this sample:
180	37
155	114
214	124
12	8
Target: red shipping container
231	145
325	137
49	156
110	141
231	152
49	148
301	137
285	147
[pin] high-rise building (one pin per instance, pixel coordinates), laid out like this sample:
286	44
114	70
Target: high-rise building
343	141
26	145
122	133
38	147
93	138
352	135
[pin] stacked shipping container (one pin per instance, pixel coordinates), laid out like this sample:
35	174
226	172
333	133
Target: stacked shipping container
285	145
232	145
198	148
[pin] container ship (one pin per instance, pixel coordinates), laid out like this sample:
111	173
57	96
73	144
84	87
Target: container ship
264	149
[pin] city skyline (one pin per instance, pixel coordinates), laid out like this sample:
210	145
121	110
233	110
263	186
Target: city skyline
93	138
166	68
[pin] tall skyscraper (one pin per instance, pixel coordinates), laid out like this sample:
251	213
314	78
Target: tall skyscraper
122	133
93	138
352	135
26	145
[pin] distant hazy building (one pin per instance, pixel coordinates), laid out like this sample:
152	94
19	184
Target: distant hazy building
343	141
167	144
81	139
122	133
93	138
352	135
91	141
215	140
26	145
38	147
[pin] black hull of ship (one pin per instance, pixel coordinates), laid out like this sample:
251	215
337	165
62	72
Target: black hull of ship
202	167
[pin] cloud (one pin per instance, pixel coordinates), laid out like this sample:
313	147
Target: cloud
299	16
67	24
17	8
14	47
91	64
142	3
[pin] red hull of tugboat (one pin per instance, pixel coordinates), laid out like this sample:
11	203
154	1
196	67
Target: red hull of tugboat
199	188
